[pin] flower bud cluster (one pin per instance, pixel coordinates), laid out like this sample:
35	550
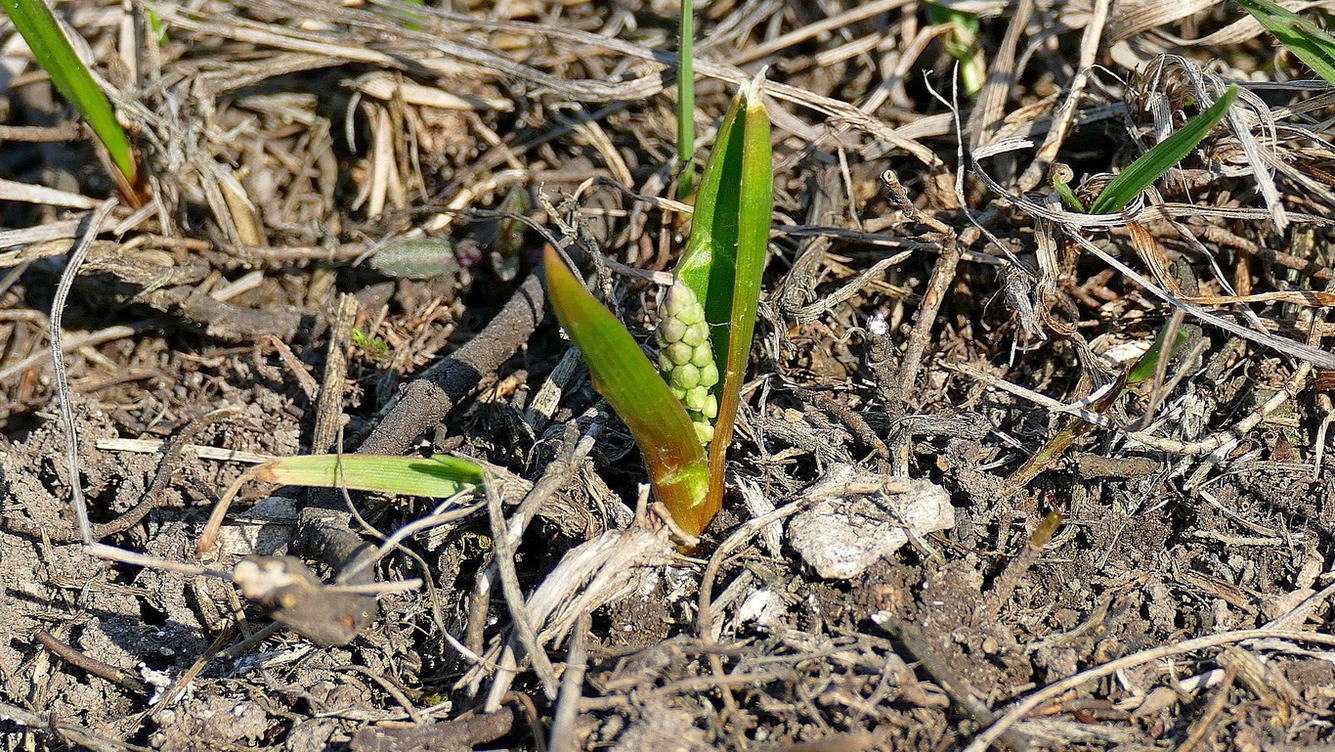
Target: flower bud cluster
686	357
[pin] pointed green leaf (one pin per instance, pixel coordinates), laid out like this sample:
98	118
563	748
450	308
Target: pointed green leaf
1309	42
961	43
708	265
755	215
1154	163
436	477
631	384
1148	363
39	28
725	256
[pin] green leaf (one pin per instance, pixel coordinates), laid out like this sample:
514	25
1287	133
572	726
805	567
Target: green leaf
436	477
39	28
725	257
1309	42
1067	195
1154	163
1148	363
624	376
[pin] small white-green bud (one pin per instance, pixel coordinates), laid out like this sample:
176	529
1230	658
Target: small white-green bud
685	376
710	409
681	353
671	330
708	375
696	398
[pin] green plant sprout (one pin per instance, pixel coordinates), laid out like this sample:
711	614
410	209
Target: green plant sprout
53	51
375	347
1142	173
1309	42
686	98
961	43
434	477
694	401
1153	164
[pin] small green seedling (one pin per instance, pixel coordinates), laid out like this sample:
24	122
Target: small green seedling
375	347
1154	163
961	42
53	51
1142	173
1309	42
694	401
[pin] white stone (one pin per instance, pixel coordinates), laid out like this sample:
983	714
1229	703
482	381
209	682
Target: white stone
859	518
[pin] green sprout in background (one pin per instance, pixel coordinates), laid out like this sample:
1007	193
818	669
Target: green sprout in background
961	42
375	347
1154	163
1141	371
1307	41
716	290
1128	184
437	477
53	51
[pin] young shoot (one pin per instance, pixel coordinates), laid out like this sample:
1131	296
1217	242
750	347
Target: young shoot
716	292
53	51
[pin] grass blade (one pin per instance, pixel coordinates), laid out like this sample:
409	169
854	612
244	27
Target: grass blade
1154	163
436	477
1309	42
961	43
621	373
686	98
39	28
1146	365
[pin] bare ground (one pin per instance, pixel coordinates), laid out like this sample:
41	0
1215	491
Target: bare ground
1161	583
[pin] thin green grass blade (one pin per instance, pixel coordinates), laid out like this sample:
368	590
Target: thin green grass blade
1309	42
621	373
1154	163
1052	450
686	98
1067	195
436	477
39	28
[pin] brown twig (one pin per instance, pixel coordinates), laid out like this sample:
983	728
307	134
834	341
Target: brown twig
1203	725
943	273
564	737
433	395
88	663
329	401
